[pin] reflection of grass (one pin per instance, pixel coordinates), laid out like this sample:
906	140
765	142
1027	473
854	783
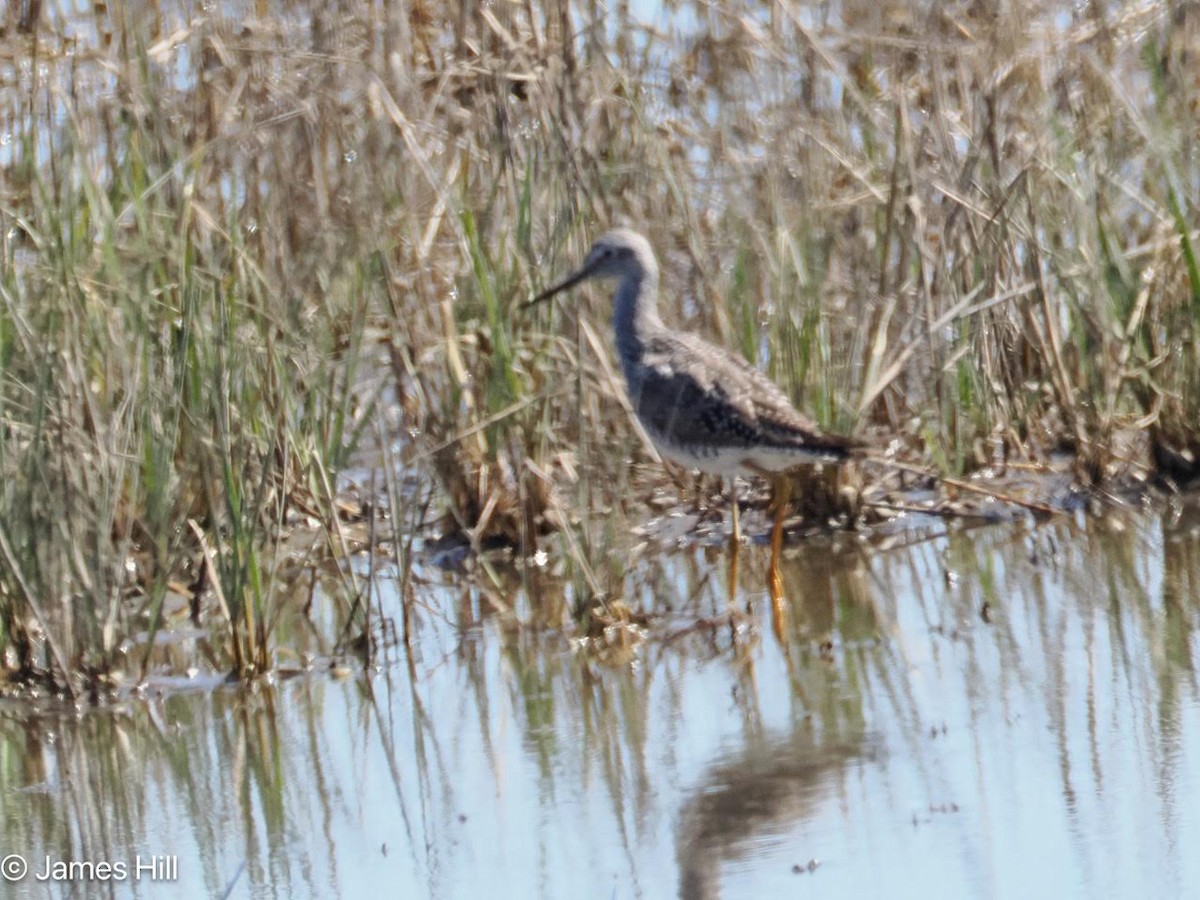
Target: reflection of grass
1084	662
971	232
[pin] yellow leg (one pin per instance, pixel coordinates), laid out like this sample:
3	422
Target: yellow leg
733	501
735	540
781	494
781	491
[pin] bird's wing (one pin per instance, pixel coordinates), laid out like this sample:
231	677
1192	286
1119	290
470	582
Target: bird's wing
703	394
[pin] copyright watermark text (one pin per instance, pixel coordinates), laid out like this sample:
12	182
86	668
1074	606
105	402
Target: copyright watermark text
160	867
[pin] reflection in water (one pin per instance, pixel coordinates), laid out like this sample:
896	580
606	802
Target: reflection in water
1000	711
758	792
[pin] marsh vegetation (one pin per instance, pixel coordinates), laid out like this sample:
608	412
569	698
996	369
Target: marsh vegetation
324	565
260	279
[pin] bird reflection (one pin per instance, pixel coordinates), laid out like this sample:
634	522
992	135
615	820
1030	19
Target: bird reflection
772	783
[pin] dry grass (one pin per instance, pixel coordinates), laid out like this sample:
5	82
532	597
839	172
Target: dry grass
968	226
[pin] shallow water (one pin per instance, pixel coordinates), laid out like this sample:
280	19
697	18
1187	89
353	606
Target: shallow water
1005	711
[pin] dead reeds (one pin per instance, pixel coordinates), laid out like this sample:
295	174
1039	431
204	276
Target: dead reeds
232	244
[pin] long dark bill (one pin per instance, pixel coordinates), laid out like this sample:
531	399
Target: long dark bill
569	282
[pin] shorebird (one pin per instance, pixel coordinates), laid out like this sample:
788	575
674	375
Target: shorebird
702	406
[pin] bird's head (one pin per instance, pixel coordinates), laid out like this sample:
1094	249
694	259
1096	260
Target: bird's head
619	253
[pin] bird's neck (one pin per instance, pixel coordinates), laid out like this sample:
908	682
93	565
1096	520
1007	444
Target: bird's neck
635	317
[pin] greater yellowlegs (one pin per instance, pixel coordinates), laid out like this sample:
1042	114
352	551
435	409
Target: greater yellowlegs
702	406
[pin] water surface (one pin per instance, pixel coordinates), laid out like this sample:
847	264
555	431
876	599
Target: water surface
1003	711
